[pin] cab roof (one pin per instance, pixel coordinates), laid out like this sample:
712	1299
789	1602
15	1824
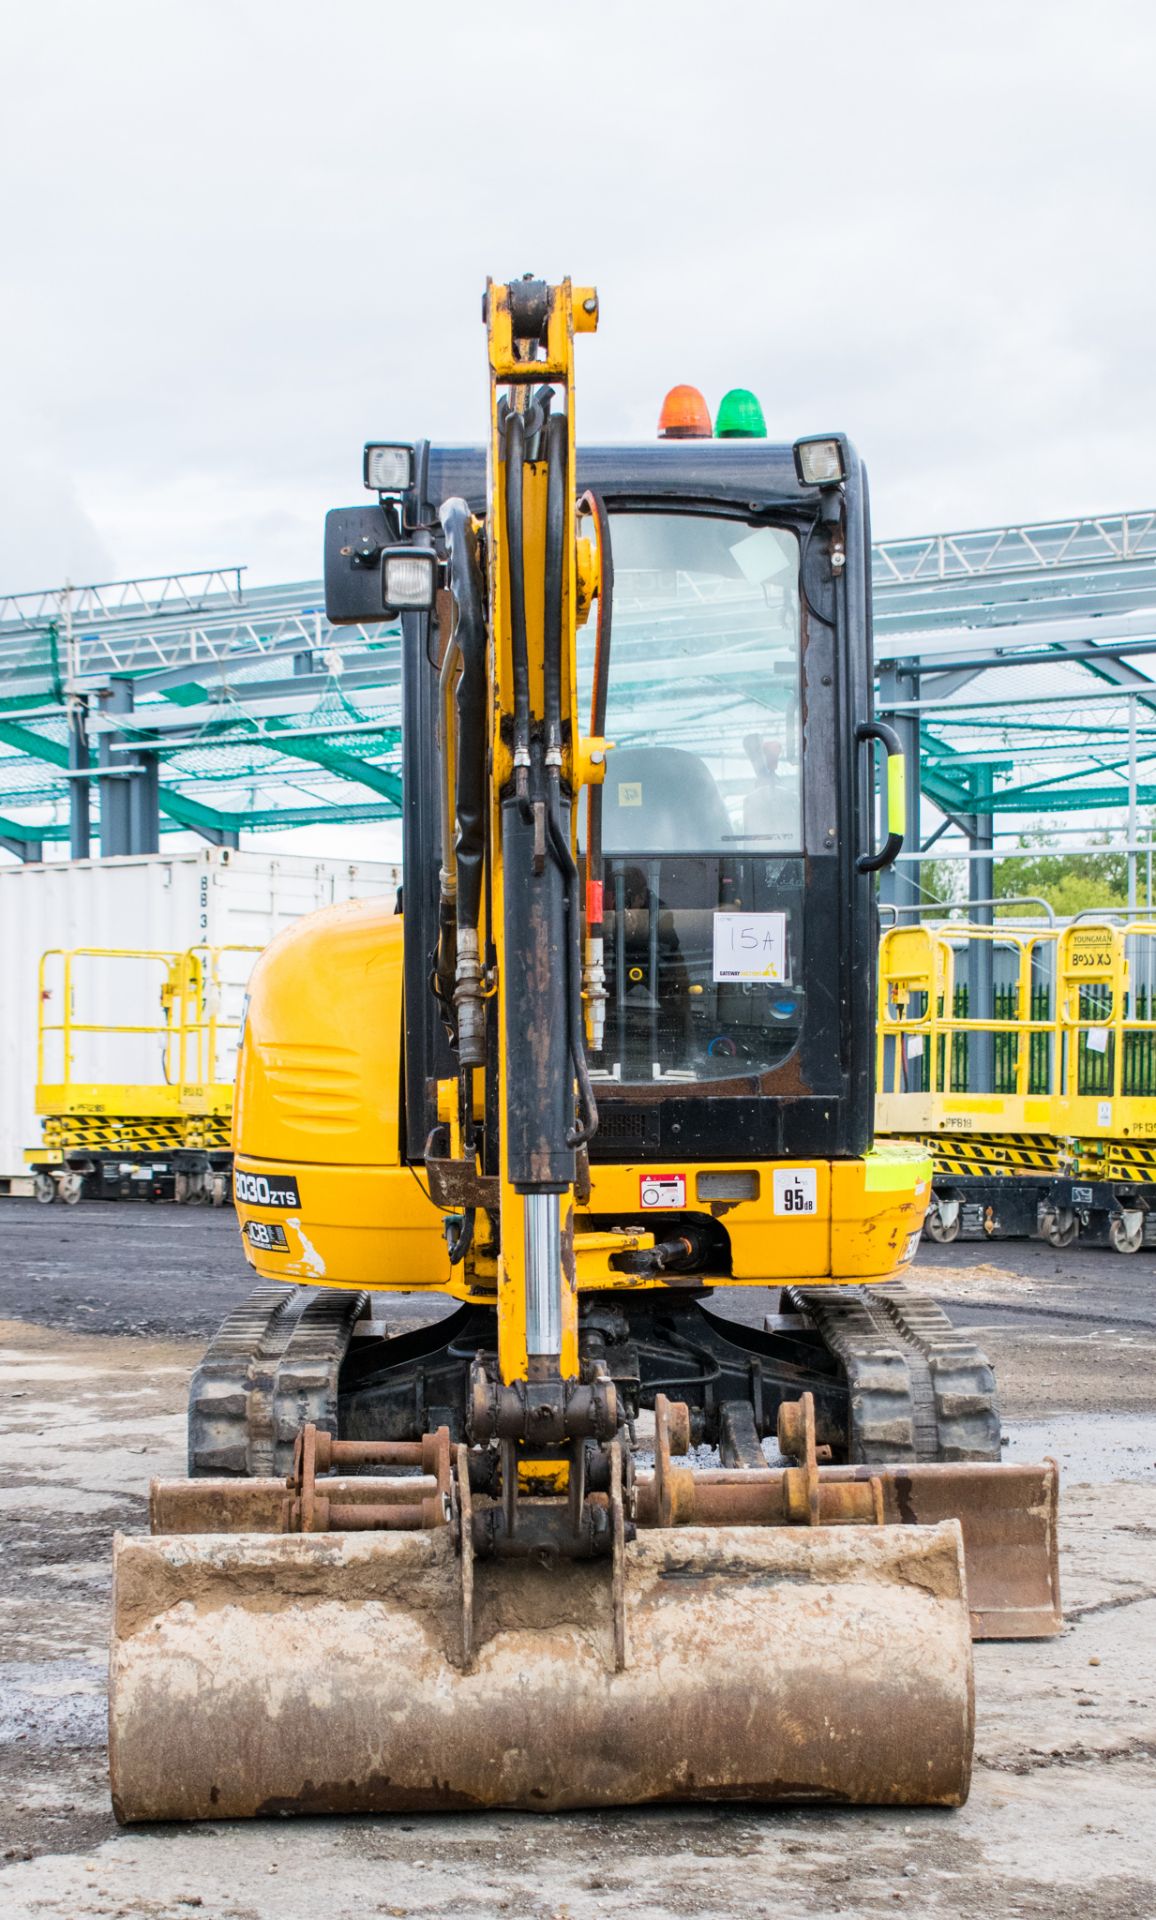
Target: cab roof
753	473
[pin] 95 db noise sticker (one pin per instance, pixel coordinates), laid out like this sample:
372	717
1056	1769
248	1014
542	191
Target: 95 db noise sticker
796	1191
662	1190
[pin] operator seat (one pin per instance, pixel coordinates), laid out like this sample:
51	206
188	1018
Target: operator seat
662	800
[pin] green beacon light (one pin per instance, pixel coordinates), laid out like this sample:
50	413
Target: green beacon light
739	416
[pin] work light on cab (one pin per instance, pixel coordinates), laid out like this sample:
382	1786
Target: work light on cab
388	467
685	415
820	461
408	579
740	416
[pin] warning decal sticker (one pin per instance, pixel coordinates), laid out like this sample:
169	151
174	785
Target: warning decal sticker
662	1190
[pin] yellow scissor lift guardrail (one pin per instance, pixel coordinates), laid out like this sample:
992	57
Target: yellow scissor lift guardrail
1039	1110
179	1114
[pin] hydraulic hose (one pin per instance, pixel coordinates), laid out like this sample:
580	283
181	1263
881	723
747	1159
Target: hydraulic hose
556	443
470	640
470	780
449	667
576	1136
445	962
594	970
593	504
556	432
515	461
459	1235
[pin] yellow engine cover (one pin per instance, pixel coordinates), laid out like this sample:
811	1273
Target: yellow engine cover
325	1198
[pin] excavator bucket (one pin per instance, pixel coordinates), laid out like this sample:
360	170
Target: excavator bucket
338	1644
257	1673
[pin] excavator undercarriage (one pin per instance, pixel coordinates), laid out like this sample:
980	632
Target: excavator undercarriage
890	1377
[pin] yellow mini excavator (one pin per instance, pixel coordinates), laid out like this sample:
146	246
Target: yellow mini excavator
584	1532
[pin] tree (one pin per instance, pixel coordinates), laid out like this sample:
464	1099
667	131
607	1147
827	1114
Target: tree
1069	882
943	880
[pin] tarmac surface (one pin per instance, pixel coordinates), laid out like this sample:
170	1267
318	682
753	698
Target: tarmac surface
103	1312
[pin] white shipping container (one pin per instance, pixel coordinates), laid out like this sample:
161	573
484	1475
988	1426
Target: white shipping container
161	903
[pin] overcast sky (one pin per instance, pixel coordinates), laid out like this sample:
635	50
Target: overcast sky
241	236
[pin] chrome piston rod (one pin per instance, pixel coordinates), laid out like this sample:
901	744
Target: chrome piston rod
543	1243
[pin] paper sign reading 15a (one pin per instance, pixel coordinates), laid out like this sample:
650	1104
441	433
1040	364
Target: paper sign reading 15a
750	946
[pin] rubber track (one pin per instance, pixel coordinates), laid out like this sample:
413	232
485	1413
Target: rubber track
920	1389
961	1375
272	1365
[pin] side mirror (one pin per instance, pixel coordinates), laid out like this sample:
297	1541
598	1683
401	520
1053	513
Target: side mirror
355	539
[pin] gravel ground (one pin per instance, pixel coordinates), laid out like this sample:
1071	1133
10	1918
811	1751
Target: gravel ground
127	1267
105	1309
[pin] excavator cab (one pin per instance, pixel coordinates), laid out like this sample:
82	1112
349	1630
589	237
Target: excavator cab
586	1539
725	666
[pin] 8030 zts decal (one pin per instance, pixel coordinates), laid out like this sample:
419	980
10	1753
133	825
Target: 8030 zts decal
265	1190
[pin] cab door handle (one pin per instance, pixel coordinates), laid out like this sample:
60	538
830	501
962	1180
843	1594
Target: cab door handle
884	856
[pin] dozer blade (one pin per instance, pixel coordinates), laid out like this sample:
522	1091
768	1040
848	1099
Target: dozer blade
257	1673
1009	1517
1008	1514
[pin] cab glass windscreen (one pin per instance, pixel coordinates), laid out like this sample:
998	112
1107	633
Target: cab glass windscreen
701	811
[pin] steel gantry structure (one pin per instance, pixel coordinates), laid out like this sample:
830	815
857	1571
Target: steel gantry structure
1018	662
190	702
1019	665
